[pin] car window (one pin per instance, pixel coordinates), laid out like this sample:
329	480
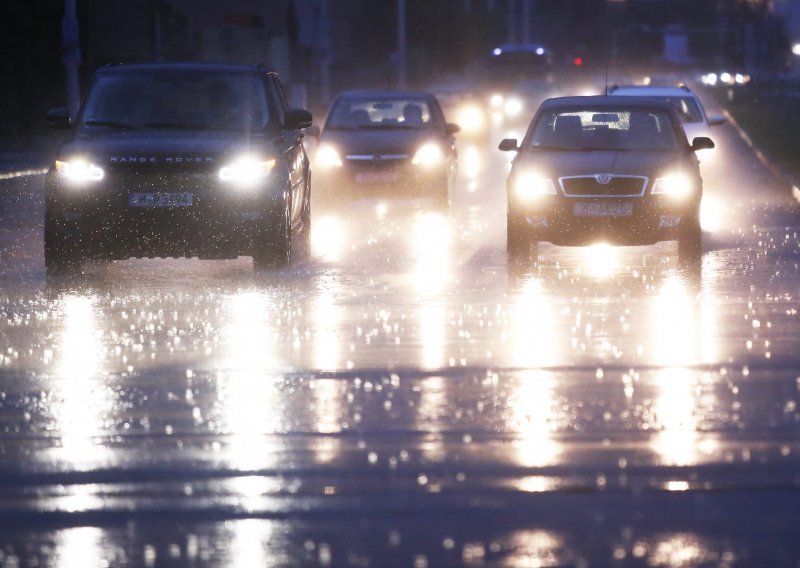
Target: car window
380	113
687	108
189	100
603	129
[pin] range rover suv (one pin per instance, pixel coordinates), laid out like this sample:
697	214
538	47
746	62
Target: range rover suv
179	160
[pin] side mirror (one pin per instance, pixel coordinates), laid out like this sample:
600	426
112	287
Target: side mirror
508	145
702	143
313	131
451	128
58	118
716	120
297	119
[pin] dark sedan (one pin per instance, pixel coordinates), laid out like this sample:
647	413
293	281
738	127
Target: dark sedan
386	143
597	168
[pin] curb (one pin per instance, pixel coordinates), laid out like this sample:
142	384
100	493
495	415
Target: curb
22	173
777	172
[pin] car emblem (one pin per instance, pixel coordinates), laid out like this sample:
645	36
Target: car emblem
603	179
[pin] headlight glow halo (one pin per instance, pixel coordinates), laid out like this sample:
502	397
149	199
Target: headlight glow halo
246	171
531	185
79	170
677	185
327	157
428	155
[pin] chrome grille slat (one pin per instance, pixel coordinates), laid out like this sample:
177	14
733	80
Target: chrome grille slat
590	186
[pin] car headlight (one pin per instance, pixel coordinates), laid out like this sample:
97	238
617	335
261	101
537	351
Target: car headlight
79	171
428	155
528	186
327	157
471	119
496	101
676	185
246	171
513	107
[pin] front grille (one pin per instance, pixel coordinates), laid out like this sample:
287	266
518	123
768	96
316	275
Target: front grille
593	186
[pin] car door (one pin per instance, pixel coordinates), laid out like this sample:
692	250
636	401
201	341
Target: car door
291	144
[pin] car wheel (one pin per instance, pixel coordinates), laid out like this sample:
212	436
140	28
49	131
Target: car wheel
59	251
690	237
276	251
518	243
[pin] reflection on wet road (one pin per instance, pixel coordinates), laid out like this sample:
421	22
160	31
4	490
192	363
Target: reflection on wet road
406	394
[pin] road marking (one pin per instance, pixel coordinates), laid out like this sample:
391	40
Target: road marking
776	172
23	173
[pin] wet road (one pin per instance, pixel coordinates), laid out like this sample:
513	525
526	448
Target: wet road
406	397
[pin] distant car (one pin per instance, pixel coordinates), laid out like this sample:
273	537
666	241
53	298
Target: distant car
386	143
174	159
687	104
604	167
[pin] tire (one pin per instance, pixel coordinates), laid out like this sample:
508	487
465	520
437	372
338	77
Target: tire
690	237
518	243
276	250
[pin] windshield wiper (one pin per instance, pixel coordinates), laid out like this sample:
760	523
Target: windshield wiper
178	125
109	123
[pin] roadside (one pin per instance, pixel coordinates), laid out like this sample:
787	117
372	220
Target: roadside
764	117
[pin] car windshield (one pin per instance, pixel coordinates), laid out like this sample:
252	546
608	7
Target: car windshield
604	129
397	112
176	101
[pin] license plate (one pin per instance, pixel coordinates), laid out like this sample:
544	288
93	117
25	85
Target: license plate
160	199
601	209
376	177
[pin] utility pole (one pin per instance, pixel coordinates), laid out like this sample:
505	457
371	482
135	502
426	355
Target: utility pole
71	54
401	44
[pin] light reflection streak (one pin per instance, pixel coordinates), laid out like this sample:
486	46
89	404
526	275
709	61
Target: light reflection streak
79	547
432	320
80	399
432	410
248	397
249	542
534	548
534	342
711	214
683	550
326	316
327	411
531	419
601	260
675	406
431	242
472	162
328	238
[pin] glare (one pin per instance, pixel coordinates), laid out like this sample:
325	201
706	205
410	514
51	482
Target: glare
796	49
79	547
471	119
431	243
601	260
472	162
712	213
532	408
328	238
432	322
79	171
429	155
327	157
496	101
677	185
534	342
381	209
513	107
675	406
529	186
251	542
246	171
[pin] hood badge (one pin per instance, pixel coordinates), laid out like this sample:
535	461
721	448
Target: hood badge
603	179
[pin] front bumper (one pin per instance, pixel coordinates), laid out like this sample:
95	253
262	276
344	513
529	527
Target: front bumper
385	178
101	221
573	220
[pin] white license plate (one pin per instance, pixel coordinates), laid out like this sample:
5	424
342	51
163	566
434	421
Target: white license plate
376	177
160	199
600	209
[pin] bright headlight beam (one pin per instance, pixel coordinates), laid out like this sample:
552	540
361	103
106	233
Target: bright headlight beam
513	107
531	185
429	155
328	157
79	171
246	171
677	185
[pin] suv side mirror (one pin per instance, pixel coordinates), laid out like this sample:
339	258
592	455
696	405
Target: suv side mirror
508	145
702	143
297	119
451	128
58	118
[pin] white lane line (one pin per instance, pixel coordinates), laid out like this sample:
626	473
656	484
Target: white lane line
23	173
776	172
